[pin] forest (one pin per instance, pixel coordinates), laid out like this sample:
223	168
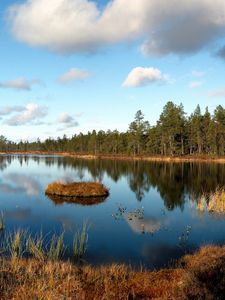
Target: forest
175	134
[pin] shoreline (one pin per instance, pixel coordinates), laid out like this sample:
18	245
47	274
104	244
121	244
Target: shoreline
196	276
158	158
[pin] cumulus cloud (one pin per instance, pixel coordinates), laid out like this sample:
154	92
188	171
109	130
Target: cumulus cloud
70	26
6	110
31	114
19	84
139	77
74	74
67	121
195	84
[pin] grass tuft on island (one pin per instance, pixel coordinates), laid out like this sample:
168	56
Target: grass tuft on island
198	276
77	189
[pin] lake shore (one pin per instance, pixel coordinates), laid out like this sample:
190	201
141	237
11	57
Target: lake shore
157	158
197	276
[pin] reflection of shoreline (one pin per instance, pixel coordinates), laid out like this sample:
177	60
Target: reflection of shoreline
60	200
158	158
214	203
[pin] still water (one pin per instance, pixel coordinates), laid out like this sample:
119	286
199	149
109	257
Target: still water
150	218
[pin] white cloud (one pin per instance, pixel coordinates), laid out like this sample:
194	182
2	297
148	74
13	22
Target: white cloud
74	74
6	110
70	26
217	93
195	84
67	121
139	77
19	84
31	114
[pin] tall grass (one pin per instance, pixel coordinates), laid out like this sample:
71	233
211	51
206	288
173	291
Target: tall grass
80	242
35	247
20	244
56	247
15	243
2	222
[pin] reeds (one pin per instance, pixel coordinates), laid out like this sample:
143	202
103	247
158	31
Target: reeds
20	244
56	247
80	242
2	222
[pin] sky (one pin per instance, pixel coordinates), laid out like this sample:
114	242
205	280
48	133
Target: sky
70	66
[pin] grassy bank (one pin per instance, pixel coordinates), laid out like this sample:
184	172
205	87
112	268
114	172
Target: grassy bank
198	276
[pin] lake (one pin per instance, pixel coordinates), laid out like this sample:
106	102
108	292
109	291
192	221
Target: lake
150	218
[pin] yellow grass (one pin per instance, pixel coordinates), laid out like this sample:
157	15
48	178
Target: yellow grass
77	189
199	276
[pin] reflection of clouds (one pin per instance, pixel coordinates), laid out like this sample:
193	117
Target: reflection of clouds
161	253
147	224
8	188
18	214
20	184
67	224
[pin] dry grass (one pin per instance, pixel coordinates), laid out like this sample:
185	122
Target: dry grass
200	276
77	189
213	203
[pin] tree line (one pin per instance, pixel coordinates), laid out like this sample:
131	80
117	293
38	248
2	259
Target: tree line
175	133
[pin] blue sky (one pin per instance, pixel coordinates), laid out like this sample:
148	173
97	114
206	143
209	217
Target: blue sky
69	66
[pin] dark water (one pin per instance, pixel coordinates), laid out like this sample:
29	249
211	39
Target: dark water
150	217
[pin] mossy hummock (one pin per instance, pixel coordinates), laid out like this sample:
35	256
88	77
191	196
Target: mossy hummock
77	189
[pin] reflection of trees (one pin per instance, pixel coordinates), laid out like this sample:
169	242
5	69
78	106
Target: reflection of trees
138	180
172	180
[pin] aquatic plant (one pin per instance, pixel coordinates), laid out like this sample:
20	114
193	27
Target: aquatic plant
35	247
56	247
2	221
80	242
16	243
184	237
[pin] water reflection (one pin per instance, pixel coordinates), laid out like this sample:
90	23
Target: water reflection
18	214
60	200
145	225
159	199
173	181
16	183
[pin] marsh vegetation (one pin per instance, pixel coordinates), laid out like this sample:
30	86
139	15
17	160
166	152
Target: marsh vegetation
77	189
198	276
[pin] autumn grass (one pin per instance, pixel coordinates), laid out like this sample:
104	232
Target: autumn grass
20	244
197	276
77	189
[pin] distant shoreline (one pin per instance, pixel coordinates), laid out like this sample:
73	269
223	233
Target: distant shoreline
158	158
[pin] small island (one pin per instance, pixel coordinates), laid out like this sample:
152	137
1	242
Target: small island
77	189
